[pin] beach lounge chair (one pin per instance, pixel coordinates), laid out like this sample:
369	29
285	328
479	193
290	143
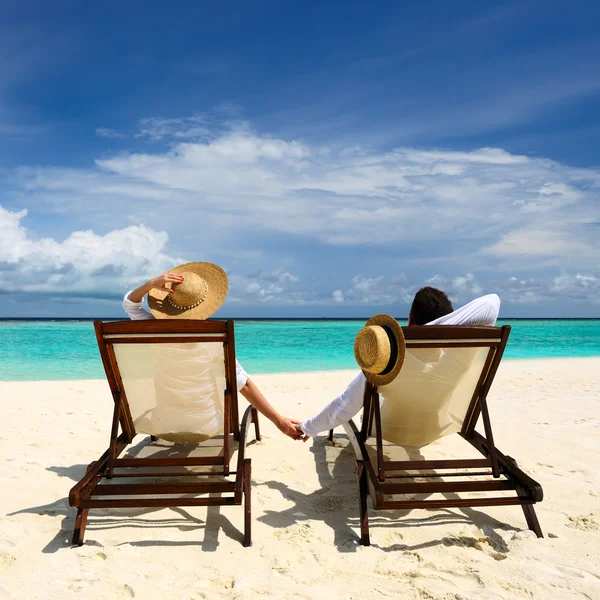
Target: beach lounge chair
441	389
174	380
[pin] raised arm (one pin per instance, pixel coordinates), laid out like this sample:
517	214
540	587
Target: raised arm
481	311
132	302
159	282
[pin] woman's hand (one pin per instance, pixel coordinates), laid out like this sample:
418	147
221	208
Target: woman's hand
159	282
162	281
290	427
300	435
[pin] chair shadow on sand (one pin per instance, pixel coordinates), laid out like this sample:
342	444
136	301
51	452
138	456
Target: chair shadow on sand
105	519
336	503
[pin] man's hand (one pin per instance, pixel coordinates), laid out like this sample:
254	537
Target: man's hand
300	434
290	427
163	280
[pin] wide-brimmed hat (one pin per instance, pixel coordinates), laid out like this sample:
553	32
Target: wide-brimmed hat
199	295
379	349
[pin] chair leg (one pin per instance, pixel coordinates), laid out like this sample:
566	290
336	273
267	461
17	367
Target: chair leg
80	523
528	510
247	503
256	427
330	436
363	490
532	520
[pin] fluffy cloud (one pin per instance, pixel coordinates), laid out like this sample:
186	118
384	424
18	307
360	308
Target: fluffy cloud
84	263
501	206
101	266
380	289
277	286
466	284
87	264
473	217
337	296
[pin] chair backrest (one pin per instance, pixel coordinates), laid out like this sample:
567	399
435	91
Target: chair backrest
176	379
445	377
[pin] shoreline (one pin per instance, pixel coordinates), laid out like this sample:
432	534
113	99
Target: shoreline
531	361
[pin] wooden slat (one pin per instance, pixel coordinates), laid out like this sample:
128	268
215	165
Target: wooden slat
158	502
184	461
419	465
433	487
186	336
457	503
133	489
154	339
164	326
437	475
453	344
451	332
172	474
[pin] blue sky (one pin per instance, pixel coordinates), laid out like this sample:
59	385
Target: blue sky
333	158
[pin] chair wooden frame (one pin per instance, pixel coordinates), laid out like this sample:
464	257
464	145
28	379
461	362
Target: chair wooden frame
493	472
94	492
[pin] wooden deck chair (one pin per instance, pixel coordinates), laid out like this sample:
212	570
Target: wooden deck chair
441	389
174	380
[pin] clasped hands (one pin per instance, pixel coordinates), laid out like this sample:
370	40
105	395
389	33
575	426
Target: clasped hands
291	428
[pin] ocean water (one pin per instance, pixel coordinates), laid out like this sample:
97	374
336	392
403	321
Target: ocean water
50	350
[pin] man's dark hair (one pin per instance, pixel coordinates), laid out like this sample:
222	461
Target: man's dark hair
429	304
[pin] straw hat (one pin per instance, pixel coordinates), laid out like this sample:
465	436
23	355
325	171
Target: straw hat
199	295
379	349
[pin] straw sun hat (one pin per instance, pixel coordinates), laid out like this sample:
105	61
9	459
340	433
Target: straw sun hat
199	295
379	349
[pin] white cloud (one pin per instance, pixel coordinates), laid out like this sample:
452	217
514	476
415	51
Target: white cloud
89	264
380	289
276	286
157	129
503	205
466	284
577	287
109	133
84	263
107	265
226	188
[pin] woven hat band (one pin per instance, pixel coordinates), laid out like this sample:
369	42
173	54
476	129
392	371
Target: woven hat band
191	292
373	349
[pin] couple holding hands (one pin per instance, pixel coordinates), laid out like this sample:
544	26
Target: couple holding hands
197	290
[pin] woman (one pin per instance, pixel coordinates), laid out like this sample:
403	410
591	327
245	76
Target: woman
195	291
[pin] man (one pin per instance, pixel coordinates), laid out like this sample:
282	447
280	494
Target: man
430	307
164	293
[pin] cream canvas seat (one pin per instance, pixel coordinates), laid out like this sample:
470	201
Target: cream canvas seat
174	380
441	390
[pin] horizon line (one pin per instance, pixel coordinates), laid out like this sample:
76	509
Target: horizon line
286	318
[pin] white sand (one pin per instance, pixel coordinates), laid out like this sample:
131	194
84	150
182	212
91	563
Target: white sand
305	508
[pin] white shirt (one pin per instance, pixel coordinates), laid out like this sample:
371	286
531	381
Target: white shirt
137	312
481	311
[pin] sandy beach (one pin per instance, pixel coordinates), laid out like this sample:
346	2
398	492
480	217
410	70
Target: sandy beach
305	544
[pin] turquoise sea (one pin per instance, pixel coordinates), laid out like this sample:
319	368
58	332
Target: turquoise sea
42	350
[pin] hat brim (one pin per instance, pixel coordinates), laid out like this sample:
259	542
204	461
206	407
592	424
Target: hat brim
216	280
395	330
